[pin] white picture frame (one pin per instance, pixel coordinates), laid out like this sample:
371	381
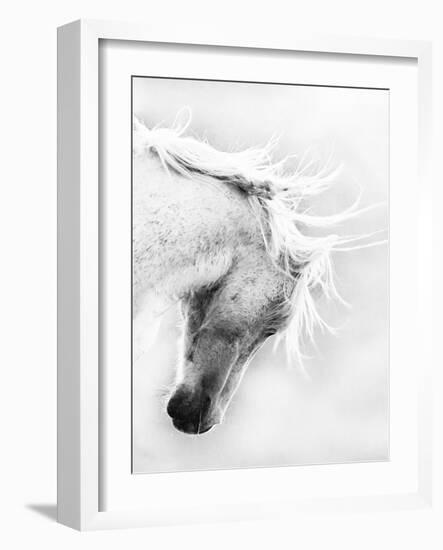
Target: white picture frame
79	411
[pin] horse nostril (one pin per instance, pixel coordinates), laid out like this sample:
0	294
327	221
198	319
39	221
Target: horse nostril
185	406
174	405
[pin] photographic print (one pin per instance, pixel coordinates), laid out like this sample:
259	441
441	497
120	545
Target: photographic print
260	296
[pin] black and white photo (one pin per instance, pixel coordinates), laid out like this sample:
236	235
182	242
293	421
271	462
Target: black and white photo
259	274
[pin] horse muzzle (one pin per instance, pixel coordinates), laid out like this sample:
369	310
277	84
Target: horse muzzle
191	411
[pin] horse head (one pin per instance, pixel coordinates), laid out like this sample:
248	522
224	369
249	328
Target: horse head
224	325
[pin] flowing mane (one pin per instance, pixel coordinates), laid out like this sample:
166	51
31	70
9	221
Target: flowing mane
278	196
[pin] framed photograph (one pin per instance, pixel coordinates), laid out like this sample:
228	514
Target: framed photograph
244	319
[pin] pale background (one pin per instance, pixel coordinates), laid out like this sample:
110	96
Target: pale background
28	221
278	417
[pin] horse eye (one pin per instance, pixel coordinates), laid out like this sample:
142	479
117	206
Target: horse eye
269	332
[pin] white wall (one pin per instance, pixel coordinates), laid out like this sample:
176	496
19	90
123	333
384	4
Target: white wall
27	218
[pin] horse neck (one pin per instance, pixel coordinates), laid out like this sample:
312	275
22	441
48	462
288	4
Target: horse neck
186	232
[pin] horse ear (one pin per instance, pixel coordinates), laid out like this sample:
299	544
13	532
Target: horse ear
182	119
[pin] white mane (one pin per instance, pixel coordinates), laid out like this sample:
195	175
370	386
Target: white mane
278	198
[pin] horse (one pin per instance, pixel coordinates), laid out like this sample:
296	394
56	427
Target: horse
230	238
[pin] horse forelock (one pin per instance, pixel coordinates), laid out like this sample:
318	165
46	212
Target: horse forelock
278	196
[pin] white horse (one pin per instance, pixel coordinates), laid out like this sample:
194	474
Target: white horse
227	236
